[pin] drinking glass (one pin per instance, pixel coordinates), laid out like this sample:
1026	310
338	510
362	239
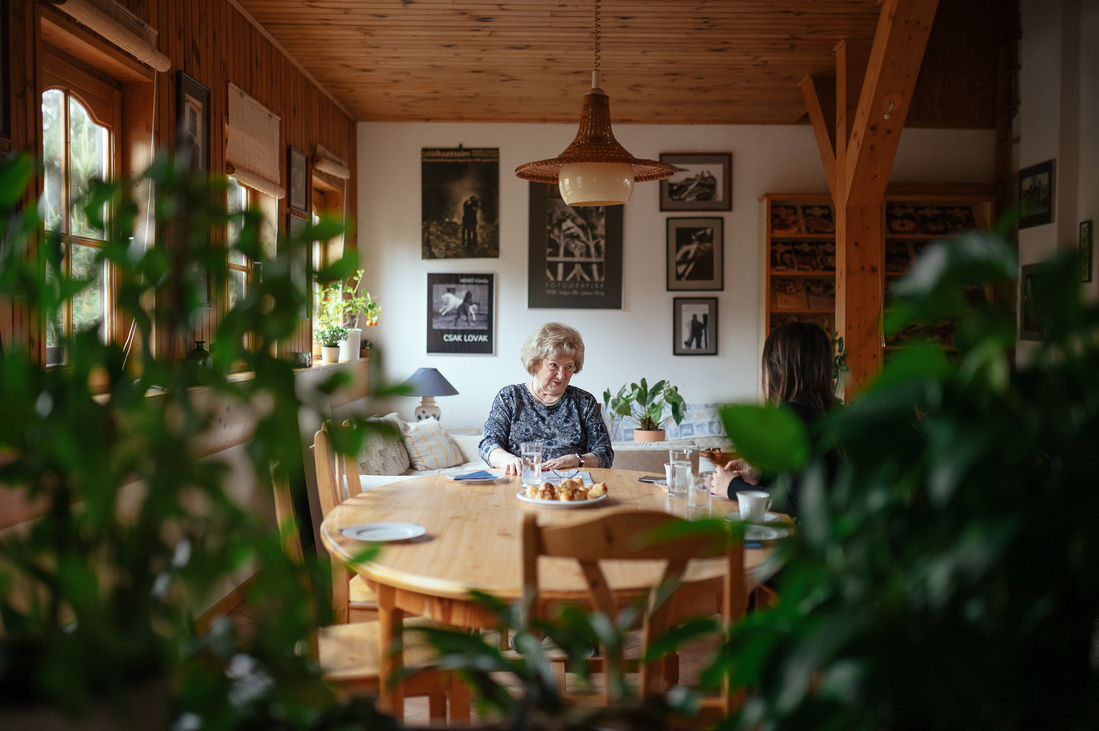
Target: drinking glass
681	472
530	453
698	497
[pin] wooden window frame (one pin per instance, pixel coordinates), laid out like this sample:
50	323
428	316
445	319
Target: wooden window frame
101	96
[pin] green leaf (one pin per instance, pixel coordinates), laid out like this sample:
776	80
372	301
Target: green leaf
771	437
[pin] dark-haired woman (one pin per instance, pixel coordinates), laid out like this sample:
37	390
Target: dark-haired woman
797	372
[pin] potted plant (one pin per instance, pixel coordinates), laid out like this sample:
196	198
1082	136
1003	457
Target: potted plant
343	303
330	335
645	406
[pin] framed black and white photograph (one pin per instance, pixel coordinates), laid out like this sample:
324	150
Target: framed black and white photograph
298	173
1036	195
193	125
704	182
460	313
1029	329
575	259
1085	251
696	260
300	276
694	326
460	208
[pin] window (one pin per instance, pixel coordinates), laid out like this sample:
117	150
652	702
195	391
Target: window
77	147
240	269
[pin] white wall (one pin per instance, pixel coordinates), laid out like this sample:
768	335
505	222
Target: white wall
622	345
1059	95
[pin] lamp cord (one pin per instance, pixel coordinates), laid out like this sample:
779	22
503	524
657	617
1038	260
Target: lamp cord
595	28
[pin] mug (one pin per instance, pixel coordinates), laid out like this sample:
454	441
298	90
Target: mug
754	505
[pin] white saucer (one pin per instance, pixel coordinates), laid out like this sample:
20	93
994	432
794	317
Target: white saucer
768	518
454	475
559	504
384	532
763	533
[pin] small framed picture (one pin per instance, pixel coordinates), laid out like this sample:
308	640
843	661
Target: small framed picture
1029	329
696	254
460	313
1036	195
300	276
193	124
704	182
298	167
1085	251
694	326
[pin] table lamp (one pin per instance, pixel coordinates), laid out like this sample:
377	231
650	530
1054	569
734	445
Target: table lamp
429	383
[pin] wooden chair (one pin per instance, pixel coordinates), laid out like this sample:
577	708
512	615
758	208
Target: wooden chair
352	599
622	536
350	654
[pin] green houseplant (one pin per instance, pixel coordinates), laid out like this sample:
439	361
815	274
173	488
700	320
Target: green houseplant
645	406
330	334
342	303
131	530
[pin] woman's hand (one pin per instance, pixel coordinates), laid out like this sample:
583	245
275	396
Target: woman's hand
506	461
564	462
719	483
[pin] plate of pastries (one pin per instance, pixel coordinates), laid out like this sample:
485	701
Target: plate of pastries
568	493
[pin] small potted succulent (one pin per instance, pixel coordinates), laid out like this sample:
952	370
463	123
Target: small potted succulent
645	406
330	335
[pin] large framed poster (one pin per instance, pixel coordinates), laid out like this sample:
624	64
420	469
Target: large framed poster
460	208
575	257
460	313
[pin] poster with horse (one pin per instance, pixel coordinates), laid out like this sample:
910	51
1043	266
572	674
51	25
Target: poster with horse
460	313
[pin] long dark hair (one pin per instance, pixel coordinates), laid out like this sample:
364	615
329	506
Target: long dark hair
797	366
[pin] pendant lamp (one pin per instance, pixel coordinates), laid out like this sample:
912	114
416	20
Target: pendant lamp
595	170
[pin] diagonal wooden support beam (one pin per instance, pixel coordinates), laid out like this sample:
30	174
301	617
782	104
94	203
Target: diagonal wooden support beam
820	98
895	58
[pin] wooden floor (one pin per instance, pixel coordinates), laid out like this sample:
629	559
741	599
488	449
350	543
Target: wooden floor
692	660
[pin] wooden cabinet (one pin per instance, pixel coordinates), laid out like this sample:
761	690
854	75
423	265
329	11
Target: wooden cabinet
798	261
912	222
798	258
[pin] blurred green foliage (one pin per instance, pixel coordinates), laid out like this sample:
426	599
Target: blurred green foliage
947	576
99	595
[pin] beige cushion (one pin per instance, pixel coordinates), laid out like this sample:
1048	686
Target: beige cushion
430	447
468	444
385	454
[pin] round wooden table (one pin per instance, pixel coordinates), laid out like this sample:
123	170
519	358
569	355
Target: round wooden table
473	542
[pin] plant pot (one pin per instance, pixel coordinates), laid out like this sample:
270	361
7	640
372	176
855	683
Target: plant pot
316	352
648	436
330	355
349	348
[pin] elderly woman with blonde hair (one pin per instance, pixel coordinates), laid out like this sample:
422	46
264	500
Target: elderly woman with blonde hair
547	409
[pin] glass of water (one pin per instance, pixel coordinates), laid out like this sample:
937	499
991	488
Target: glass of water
698	497
531	455
681	472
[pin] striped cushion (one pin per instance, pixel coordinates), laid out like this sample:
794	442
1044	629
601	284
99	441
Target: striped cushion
430	447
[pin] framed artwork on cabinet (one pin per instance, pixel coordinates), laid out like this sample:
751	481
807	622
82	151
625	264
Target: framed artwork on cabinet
694	326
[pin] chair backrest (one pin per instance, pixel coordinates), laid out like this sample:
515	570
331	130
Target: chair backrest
333	472
628	536
290	537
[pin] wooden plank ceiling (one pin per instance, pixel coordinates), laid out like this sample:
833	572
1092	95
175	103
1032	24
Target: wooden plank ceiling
663	61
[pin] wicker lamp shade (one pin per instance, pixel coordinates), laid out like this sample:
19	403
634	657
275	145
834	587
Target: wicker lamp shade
595	142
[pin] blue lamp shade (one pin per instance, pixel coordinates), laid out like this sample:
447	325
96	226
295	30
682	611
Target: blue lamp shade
429	383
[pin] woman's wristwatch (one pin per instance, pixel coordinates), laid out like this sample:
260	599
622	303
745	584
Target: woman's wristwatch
580	459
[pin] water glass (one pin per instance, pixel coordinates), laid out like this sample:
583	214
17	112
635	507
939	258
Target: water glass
530	453
698	497
681	472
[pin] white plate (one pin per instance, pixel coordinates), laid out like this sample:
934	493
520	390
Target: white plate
563	504
763	533
768	518
384	532
484	481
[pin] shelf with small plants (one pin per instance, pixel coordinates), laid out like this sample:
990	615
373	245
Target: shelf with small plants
798	261
911	223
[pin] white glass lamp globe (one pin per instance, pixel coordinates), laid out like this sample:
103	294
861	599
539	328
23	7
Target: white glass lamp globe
596	183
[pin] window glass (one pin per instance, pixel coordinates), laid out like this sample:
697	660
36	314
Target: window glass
236	205
53	153
237	282
88	151
88	305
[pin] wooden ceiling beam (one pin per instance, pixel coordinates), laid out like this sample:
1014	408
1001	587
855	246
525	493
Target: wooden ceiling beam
820	98
894	64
